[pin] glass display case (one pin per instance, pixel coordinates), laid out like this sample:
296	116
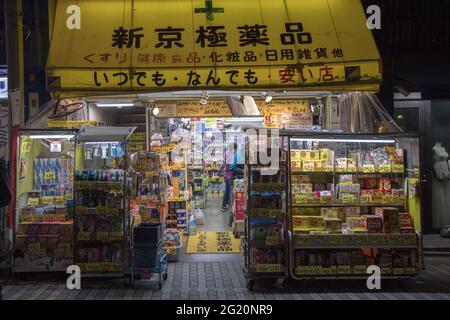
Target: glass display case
43	220
354	201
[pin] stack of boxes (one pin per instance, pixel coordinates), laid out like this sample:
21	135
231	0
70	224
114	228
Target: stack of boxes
312	160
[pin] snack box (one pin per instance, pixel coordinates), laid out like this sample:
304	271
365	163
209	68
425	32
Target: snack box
385	184
329	213
295	154
316	223
300	222
373	224
356	222
296	165
333	225
318	166
390	216
405	220
327	155
314	155
352	211
407	230
305	155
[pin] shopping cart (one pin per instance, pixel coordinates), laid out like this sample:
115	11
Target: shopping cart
149	257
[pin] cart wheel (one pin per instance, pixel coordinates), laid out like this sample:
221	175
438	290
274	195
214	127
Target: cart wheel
165	276
279	283
250	284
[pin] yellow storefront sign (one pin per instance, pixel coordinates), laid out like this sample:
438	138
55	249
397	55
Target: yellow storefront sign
152	45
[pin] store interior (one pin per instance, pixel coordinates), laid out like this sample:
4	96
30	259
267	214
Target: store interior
334	190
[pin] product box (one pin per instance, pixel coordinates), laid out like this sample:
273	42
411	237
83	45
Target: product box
300	222
295	154
314	155
239	205
390	216
351	165
373	224
341	164
333	225
356	222
327	155
305	155
352	211
385	184
405	220
329	213
296	165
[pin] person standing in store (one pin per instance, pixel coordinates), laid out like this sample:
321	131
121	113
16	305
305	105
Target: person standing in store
234	169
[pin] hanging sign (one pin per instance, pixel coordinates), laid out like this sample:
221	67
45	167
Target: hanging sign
211	44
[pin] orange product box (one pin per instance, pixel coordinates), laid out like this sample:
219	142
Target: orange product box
405	220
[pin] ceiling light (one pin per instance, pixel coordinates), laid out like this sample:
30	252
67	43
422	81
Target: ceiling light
56	136
249	119
112	105
155	111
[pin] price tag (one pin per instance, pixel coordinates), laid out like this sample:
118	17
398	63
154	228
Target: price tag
32	201
47	200
117	187
60	200
368	168
351	168
112	212
301	199
341	168
49	175
103	236
388	198
308	166
263	267
302	270
348	198
366	198
359	269
333	269
328	168
115	236
272	240
34	247
386	270
101	210
398	168
345	269
384	168
315	269
84	236
81	210
410	270
399	271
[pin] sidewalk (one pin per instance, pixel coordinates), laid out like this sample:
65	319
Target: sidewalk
194	280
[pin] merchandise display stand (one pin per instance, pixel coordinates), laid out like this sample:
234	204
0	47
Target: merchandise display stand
348	208
197	181
265	246
102	220
43	220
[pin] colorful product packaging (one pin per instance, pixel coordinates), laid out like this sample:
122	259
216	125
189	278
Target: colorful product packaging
373	224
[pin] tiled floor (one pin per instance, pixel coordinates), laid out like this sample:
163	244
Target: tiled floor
225	281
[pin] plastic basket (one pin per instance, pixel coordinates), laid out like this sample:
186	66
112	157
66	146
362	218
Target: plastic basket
147	233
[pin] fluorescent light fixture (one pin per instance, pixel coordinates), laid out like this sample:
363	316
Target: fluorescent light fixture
112	105
254	119
345	140
56	136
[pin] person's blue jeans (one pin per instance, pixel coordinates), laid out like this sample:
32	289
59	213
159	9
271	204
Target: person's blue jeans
227	193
